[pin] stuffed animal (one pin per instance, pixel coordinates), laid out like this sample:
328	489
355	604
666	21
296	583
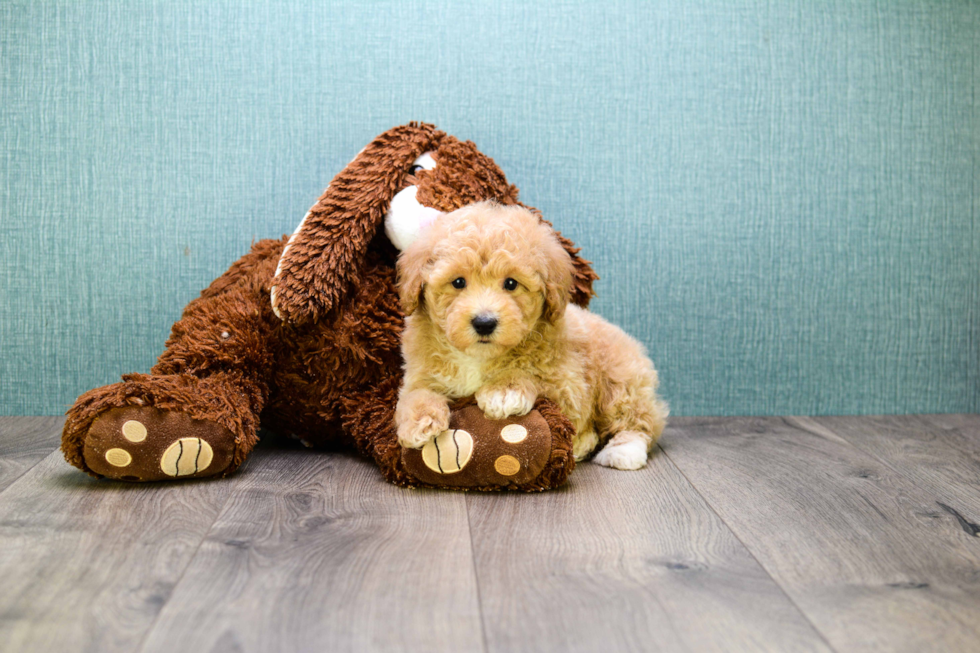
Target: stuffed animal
302	334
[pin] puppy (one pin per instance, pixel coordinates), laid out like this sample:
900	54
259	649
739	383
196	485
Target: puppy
485	290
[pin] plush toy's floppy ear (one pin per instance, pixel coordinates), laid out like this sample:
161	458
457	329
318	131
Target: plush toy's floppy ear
326	253
583	275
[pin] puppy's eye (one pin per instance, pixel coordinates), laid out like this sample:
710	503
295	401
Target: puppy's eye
510	284
459	283
414	169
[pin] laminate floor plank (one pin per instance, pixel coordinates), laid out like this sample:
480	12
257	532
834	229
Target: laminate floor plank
624	561
316	552
856	545
86	565
939	453
24	442
743	534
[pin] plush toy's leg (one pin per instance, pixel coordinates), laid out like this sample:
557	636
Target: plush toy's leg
197	413
157	427
369	419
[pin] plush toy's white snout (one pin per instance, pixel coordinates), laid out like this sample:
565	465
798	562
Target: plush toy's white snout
406	218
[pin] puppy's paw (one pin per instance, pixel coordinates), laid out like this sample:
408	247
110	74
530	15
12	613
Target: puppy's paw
628	455
427	420
504	403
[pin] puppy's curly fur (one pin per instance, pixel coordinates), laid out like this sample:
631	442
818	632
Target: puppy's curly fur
486	290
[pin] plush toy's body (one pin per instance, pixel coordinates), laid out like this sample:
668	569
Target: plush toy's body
303	334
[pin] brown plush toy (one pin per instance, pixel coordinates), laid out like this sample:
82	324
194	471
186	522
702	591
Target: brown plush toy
303	335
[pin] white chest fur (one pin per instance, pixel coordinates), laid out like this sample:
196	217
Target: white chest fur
464	375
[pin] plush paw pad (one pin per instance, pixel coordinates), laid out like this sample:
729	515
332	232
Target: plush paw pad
186	456
507	465
629	455
118	457
138	443
513	433
134	431
448	452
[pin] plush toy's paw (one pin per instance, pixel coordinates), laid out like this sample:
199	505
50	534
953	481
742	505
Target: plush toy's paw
140	443
476	452
424	422
160	427
628	454
502	403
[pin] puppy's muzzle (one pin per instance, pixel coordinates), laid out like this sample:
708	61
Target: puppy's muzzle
484	324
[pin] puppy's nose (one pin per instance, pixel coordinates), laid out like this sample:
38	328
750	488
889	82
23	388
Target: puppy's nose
484	324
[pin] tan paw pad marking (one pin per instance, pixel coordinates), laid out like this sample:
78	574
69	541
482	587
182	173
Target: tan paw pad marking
134	431
513	433
118	457
507	465
448	452
186	456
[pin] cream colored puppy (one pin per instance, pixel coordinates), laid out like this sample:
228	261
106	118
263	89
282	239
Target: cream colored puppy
485	290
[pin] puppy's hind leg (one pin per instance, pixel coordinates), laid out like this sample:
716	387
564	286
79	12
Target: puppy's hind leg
635	417
626	450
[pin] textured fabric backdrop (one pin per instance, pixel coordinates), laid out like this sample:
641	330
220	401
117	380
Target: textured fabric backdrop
781	197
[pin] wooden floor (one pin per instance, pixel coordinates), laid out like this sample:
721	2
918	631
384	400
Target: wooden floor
743	534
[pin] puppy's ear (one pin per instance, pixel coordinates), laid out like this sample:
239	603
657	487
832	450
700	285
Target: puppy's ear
326	254
411	267
558	276
583	275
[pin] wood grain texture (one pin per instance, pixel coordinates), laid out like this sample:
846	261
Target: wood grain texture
317	552
86	564
860	548
24	442
624	561
939	453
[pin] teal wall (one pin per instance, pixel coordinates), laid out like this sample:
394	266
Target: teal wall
781	197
